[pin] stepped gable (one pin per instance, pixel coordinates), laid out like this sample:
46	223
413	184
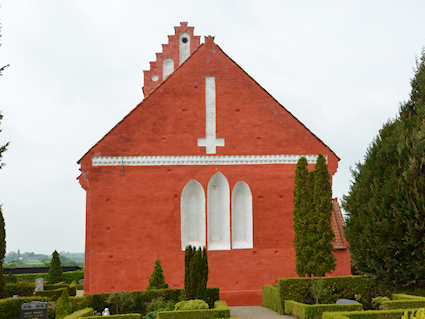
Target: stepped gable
338	226
179	47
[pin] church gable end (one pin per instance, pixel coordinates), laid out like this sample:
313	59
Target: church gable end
207	158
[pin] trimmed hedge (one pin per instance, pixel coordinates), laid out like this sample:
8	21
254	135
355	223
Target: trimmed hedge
370	314
86	312
10	308
271	299
20	288
304	311
51	294
403	301
56	286
359	288
98	301
68	277
123	316
221	310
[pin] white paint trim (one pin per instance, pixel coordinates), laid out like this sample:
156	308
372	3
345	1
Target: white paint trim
200	160
210	141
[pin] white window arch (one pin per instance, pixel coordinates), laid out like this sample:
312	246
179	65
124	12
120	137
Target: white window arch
192	210
218	211
167	68
242	216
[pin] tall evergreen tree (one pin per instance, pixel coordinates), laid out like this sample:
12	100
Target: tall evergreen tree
157	280
301	215
2	254
196	276
55	271
386	201
312	219
323	260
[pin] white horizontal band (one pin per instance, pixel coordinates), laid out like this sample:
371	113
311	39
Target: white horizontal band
200	160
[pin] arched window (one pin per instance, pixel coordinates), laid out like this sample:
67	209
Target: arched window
192	210
184	47
241	216
167	68
218	213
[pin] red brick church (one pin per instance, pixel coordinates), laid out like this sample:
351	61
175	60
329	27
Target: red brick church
207	158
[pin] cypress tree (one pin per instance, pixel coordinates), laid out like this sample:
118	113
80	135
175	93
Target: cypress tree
300	217
323	260
196	277
312	219
157	280
386	201
55	270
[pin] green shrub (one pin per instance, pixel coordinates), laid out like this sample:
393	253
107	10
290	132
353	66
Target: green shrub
303	311
221	310
63	307
359	288
271	299
52	294
58	285
191	305
372	314
157	280
400	301
86	312
20	288
72	289
120	299
55	271
125	316
10	278
10	308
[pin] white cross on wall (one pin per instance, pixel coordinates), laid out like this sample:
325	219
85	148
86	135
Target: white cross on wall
210	141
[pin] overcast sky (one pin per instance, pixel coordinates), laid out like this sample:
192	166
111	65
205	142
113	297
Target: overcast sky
76	69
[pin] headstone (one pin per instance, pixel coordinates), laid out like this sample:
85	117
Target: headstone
81	282
34	310
346	302
39	284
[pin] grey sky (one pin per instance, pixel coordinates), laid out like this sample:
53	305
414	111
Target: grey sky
76	69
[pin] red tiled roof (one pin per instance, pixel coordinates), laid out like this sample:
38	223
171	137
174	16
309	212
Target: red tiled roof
337	226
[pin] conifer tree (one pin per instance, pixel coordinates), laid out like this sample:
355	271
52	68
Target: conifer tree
157	280
63	306
323	260
301	221
312	219
386	201
55	271
2	254
196	272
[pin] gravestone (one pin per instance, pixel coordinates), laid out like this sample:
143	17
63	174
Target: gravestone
34	310
39	284
346	302
81	282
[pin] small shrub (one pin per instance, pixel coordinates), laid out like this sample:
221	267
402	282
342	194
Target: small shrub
120	299
20	288
63	307
420	314
10	278
191	305
157	280
318	288
155	304
377	302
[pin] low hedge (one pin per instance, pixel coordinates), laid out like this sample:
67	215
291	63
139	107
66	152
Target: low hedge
359	288
370	314
271	299
86	312
221	310
402	301
123	316
10	308
303	311
20	288
98	301
51	294
67	277
56	286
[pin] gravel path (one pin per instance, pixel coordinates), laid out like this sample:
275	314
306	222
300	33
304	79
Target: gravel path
256	313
